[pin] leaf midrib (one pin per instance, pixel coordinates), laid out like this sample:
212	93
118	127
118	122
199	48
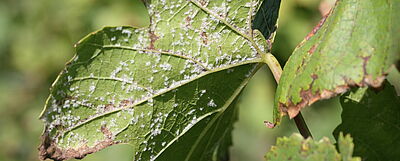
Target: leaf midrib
183	82
209	125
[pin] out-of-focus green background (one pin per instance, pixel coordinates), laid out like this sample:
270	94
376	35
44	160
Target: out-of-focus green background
37	37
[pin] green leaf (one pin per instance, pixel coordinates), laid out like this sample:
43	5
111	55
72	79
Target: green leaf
356	94
266	17
373	123
296	148
168	89
346	146
352	47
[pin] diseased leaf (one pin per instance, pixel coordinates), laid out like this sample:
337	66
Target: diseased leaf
296	148
352	47
373	123
168	90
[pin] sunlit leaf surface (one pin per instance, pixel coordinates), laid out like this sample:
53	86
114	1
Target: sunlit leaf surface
168	89
354	46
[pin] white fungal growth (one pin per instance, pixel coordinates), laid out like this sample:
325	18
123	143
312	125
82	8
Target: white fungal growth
166	66
211	103
115	72
92	88
202	92
122	63
196	44
150	79
128	32
191	111
148	63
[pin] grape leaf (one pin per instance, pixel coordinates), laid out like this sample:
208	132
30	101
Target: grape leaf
266	17
374	124
352	47
168	89
296	148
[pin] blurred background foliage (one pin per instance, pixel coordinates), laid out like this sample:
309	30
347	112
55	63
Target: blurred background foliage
37	37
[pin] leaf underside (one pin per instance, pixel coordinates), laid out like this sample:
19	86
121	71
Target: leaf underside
374	124
352	47
297	148
169	90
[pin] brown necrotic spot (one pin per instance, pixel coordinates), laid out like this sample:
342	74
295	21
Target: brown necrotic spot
204	37
317	27
107	133
312	49
188	21
269	124
125	103
108	107
153	39
203	2
365	62
50	150
309	97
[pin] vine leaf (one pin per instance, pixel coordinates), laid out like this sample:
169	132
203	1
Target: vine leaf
374	124
266	17
354	46
159	88
297	148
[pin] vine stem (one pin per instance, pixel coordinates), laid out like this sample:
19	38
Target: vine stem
302	126
276	70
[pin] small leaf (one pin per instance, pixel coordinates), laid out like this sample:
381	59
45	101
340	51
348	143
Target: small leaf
296	148
168	90
373	123
352	47
356	94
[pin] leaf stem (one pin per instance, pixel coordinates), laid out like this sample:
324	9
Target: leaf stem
276	70
273	65
302	126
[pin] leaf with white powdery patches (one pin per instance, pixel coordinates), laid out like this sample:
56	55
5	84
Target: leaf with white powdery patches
352	47
160	88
